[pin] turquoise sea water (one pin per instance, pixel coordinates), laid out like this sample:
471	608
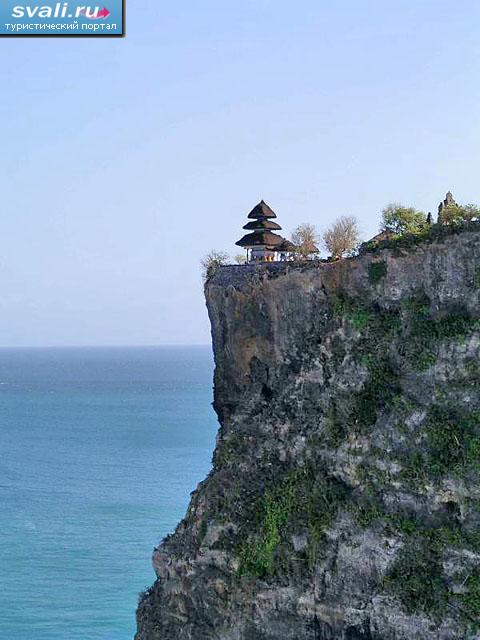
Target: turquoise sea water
100	449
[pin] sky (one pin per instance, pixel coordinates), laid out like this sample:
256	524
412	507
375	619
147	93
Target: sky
124	161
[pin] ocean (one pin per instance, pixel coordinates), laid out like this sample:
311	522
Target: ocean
100	449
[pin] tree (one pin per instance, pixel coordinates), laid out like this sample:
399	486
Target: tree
399	219
211	262
305	239
456	213
240	258
342	237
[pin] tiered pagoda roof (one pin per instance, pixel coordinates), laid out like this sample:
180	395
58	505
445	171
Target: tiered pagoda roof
266	238
261	226
262	210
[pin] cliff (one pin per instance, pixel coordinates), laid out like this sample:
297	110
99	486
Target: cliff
344	499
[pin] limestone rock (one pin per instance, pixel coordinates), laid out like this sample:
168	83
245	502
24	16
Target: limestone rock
343	503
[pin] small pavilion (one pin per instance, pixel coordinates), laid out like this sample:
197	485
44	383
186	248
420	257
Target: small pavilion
262	244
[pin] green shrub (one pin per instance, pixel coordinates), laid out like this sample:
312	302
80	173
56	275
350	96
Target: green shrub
416	577
476	278
425	333
360	319
472	369
399	219
377	271
302	501
451	439
450	444
407	526
358	410
357	313
470	601
430	234
458	214
368	511
380	388
212	262
202	530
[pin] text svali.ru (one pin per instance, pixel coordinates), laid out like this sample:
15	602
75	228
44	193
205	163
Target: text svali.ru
60	10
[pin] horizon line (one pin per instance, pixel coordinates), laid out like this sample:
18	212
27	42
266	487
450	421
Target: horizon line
106	346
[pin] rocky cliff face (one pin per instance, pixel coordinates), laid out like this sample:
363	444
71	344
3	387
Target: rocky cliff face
344	500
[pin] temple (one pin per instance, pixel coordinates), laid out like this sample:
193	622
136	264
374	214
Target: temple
445	204
262	244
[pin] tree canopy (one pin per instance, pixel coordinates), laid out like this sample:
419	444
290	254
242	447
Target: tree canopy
342	237
399	219
456	213
211	262
305	239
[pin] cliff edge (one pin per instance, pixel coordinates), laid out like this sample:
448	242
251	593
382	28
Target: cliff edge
344	499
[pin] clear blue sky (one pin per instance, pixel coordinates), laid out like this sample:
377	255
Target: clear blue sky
124	161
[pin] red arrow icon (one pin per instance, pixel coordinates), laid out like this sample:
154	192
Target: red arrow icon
103	13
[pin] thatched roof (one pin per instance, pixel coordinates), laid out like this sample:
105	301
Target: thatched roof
261	226
262	210
262	223
383	235
272	240
376	240
286	247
